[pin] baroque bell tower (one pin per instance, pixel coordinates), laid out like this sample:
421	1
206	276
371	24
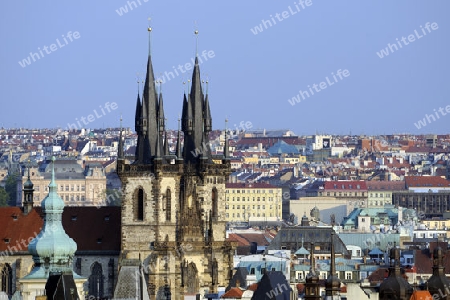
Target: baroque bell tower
173	219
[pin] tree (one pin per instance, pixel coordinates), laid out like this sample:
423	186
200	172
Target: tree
111	197
4	197
11	188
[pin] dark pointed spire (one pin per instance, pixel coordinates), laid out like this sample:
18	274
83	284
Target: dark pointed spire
207	114
137	116
161	119
226	151
184	114
438	281
28	193
179	152
158	146
333	284
206	151
312	285
189	117
166	144
150	100
120	145
395	286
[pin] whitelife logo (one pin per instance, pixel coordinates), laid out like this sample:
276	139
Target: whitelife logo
266	24
52	48
315	87
411	38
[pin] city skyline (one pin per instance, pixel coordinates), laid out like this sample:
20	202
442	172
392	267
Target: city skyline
274	65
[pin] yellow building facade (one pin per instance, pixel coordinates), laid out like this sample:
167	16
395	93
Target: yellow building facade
252	200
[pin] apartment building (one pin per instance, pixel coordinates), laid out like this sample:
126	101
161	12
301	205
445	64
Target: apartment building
76	186
252	201
380	192
353	192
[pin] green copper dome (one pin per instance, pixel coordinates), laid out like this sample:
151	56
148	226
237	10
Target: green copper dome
52	249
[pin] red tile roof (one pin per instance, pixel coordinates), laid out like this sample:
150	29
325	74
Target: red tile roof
423	258
258	238
17	229
233	293
426	181
92	228
420	295
350	185
237	238
386	185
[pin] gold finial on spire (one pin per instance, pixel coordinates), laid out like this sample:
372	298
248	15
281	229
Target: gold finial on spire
196	38
149	29
138	80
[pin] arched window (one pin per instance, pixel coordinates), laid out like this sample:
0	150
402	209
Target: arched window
7	279
215	203
139	206
168	204
96	281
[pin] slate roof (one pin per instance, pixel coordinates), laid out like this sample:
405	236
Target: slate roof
302	251
291	238
281	147
269	282
370	240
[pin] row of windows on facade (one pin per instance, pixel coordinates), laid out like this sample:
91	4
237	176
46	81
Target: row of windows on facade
349	194
349	186
66	198
248	199
237	215
375	203
68	188
380	220
248	206
436	224
381	195
356	203
324	275
252	191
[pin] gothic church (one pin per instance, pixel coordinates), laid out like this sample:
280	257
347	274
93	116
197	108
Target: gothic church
173	221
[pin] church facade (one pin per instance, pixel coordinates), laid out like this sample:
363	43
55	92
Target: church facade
173	219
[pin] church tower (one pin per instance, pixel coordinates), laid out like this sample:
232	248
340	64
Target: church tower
173	219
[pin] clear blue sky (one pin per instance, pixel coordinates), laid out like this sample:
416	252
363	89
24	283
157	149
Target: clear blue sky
251	76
